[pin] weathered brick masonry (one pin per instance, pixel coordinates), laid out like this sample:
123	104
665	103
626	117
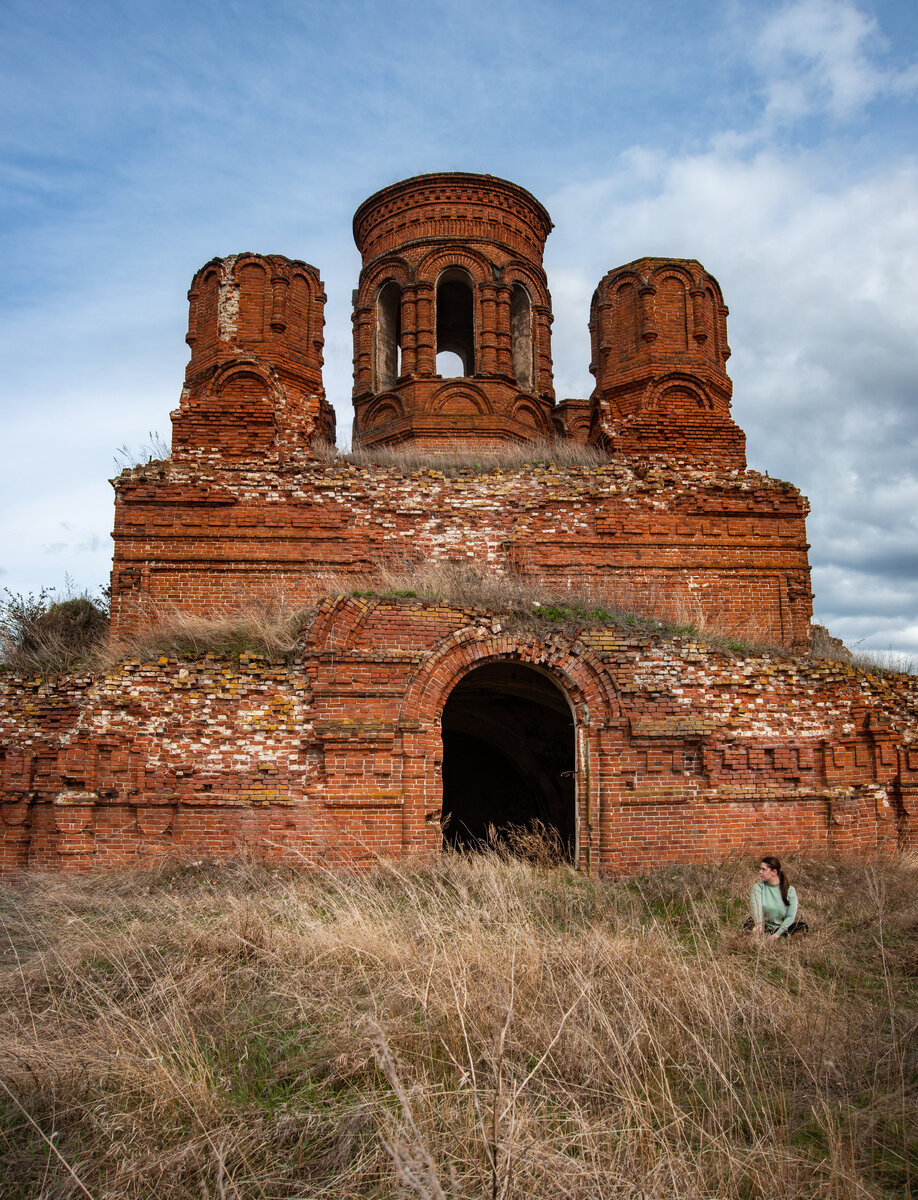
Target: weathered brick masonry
681	753
398	716
696	542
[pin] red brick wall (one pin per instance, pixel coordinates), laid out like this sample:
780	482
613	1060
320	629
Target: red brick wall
724	547
682	754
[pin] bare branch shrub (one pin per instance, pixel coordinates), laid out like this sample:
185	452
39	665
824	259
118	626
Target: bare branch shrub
48	634
885	662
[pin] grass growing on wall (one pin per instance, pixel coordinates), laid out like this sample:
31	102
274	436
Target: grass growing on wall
42	635
470	1027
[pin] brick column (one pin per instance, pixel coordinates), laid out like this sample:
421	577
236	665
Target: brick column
722	314
544	383
409	316
649	331
487	335
504	358
426	332
698	329
279	286
363	342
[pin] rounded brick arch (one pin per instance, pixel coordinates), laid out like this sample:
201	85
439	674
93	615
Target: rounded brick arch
523	274
577	671
709	283
443	258
528	414
672	270
387	407
338	622
234	372
655	395
389	270
456	392
614	280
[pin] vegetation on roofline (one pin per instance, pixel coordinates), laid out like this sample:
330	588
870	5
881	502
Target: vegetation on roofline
474	1025
48	635
558	453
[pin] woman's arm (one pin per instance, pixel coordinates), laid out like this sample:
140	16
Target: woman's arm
755	906
791	913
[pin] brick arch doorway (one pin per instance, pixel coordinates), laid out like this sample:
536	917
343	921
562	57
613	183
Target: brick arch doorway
509	755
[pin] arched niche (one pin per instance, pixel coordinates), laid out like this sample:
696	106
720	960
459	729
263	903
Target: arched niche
672	312
252	302
455	317
626	320
388	335
521	338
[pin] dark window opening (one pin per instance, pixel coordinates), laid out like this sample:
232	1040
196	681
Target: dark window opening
521	337
508	757
388	336
455	318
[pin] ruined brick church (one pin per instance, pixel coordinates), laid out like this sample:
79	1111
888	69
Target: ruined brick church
402	721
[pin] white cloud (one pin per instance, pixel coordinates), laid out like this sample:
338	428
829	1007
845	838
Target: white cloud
820	56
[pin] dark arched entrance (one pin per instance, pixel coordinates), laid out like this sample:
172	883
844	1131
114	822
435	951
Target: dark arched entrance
508	755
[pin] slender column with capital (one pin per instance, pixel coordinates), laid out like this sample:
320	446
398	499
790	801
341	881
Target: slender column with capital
649	331
487	338
426	333
722	314
544	384
409	332
698	330
504	341
192	335
363	341
279	286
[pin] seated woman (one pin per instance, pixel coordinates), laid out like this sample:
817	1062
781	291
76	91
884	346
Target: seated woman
773	903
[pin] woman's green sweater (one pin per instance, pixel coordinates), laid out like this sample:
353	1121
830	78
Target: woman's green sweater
769	909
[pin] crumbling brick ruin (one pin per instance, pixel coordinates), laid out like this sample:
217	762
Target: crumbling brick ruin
400	717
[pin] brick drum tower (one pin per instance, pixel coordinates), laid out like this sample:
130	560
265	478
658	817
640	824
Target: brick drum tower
253	385
658	329
452	264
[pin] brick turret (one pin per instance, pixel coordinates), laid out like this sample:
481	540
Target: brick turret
452	263
658	329
253	386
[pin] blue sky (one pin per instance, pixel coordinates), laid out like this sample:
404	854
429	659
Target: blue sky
776	142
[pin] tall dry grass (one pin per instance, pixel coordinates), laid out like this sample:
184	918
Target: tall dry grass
558	453
267	627
468	1027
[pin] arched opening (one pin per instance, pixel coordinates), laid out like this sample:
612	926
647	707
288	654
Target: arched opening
455	318
388	335
521	337
508	756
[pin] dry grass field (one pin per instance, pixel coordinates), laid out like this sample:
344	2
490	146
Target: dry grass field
474	1027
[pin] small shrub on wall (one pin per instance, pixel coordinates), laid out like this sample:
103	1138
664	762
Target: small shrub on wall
47	634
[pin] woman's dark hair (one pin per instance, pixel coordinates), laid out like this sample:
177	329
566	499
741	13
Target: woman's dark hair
775	864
